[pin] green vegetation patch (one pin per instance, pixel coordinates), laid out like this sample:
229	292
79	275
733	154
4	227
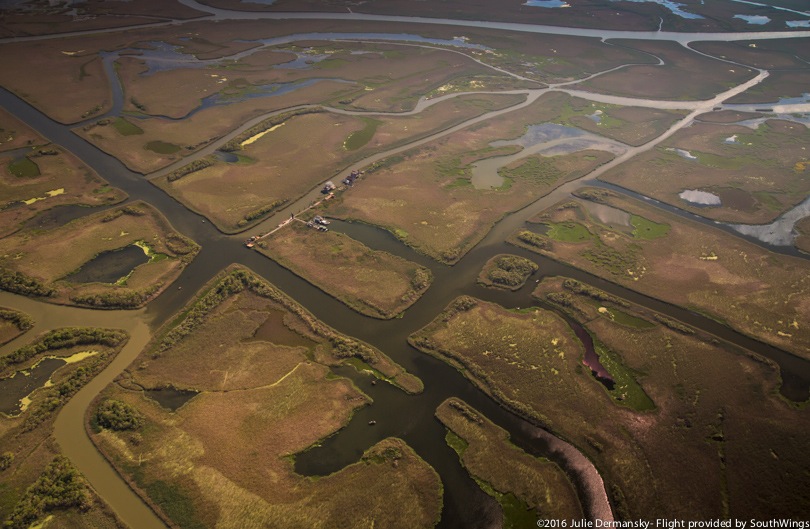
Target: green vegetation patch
568	231
162	147
24	168
623	318
126	128
176	504
59	487
626	390
647	229
117	415
19	319
540	170
362	136
372	282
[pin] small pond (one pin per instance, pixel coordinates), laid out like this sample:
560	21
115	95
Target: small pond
547	139
171	398
16	390
274	331
608	215
546	3
109	267
697	197
781	231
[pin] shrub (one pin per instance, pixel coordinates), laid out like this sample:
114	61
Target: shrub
22	321
59	487
6	460
194	166
535	240
19	283
599	295
117	415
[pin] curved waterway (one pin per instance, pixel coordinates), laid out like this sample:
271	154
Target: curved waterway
409	417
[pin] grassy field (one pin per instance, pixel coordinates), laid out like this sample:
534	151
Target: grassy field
270	392
79	88
684	75
425	196
720	442
362	81
373	283
231	194
26	442
706	270
36	262
630	125
528	488
756	173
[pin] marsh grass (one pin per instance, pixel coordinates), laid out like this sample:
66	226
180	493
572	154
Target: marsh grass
689	264
507	271
126	128
37	260
24	167
226	457
526	487
374	283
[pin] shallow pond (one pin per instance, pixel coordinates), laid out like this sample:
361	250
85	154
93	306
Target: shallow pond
274	331
696	197
16	390
608	215
22	383
109	267
548	139
170	398
780	232
674	7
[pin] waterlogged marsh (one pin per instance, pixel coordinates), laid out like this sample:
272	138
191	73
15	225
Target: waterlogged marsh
17	388
595	119
35	261
755	178
509	352
278	398
689	265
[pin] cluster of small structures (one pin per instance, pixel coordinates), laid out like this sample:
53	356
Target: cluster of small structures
318	222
